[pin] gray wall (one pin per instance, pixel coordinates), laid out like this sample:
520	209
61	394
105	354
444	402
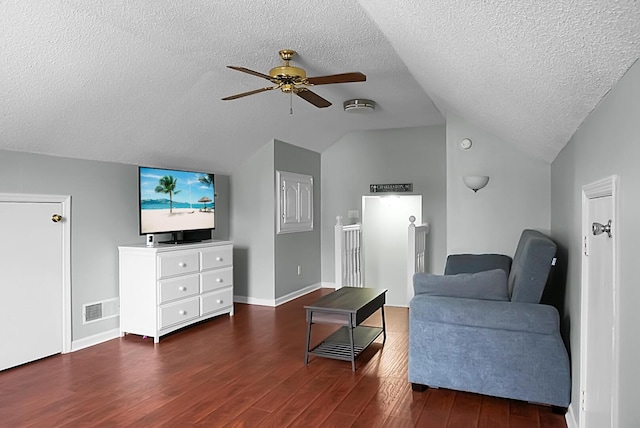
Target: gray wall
104	214
408	155
516	198
265	264
301	248
607	143
252	226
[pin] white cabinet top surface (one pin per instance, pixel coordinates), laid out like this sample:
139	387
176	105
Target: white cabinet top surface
158	248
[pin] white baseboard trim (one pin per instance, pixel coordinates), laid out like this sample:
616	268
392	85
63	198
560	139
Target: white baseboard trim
253	301
328	285
76	345
298	293
280	300
570	418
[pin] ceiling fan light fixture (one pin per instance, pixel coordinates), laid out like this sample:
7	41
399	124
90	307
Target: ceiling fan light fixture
287	72
359	105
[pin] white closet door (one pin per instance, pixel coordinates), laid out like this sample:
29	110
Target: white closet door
32	292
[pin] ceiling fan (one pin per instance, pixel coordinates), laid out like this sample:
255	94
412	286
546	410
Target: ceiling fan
294	80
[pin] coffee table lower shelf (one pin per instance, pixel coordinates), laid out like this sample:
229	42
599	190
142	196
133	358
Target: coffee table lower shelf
338	345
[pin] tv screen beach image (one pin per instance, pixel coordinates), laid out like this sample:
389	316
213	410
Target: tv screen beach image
173	200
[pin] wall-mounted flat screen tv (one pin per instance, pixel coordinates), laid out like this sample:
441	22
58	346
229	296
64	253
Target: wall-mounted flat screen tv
173	201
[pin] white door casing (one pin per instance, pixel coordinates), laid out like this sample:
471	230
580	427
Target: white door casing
36	277
599	371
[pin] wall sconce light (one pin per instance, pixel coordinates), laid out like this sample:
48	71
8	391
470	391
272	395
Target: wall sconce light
475	182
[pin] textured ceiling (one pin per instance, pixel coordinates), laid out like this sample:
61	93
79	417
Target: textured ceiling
140	82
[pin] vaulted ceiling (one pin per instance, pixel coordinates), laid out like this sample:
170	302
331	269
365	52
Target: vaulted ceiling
141	82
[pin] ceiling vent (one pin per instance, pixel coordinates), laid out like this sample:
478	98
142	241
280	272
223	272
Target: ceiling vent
359	105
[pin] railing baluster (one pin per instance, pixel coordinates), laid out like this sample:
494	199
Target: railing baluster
347	254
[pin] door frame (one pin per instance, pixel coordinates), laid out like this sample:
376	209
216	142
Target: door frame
363	243
607	186
65	201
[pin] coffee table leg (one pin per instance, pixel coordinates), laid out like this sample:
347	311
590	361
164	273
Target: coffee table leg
384	326
306	351
353	349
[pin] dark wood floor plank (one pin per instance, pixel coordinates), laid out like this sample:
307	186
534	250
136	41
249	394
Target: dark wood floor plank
278	396
320	408
338	420
244	371
494	413
409	405
548	419
355	402
437	408
299	401
465	411
380	406
523	415
249	418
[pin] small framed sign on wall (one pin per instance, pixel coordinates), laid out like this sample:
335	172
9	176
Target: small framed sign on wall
394	188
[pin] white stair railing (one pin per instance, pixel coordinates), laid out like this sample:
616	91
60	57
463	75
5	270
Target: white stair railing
417	251
348	264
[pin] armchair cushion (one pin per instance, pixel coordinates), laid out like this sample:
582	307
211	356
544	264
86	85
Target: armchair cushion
487	285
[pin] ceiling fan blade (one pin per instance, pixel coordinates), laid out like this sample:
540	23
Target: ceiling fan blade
312	97
246	70
337	78
244	94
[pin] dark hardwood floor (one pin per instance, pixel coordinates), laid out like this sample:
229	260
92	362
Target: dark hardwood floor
245	371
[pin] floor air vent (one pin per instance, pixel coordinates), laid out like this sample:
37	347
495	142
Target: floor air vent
100	310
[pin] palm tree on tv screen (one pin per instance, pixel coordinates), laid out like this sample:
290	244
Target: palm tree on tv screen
168	185
206	179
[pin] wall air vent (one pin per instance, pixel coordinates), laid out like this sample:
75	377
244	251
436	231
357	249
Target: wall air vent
98	311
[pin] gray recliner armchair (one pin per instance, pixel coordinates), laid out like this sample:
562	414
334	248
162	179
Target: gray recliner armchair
480	327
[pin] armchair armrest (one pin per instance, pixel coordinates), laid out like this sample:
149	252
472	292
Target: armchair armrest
514	316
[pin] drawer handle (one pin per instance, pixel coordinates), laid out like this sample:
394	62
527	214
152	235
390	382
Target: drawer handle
219	301
219	280
182	312
218	259
182	264
182	288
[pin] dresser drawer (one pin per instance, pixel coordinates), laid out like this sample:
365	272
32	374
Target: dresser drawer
216	279
216	300
216	257
178	288
178	312
177	263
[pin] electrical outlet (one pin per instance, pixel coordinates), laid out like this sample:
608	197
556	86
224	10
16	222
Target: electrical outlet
299	270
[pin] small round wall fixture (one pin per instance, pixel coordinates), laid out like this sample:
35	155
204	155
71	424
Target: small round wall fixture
465	144
475	182
359	105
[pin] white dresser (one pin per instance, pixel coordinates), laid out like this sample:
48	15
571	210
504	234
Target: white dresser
167	287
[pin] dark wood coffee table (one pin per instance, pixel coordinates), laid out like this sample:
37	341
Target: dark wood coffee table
348	306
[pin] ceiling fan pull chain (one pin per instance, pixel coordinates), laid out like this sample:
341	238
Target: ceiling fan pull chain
291	102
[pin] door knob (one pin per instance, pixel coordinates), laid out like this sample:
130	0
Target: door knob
56	218
598	228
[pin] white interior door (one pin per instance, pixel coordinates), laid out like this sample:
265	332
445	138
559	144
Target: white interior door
31	308
384	240
598	351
